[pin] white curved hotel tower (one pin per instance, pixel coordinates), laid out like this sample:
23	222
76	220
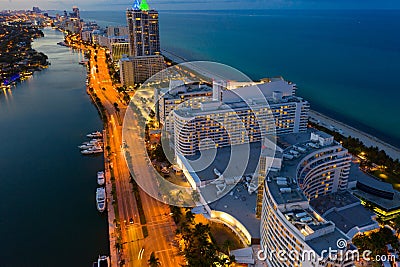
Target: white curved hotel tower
306	166
288	222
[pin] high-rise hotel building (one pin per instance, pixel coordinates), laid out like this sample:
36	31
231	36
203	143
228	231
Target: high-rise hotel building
215	124
144	39
144	45
178	92
315	166
232	117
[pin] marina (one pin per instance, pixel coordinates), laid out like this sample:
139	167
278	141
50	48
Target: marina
94	146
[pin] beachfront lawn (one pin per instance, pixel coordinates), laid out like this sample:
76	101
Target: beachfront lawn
225	238
388	177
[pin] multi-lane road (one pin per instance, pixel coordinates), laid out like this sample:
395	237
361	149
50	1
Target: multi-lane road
136	248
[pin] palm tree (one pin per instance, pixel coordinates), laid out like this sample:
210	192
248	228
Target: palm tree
227	245
396	225
153	260
189	216
380	221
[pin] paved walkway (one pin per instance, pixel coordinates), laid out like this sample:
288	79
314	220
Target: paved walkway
110	208
347	130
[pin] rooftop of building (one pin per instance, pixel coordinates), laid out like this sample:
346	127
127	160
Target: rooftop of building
267	86
344	210
284	193
285	99
385	204
305	220
148	57
323	134
356	174
334	200
244	94
237	201
210	107
346	219
327	241
241	206
176	91
295	147
223	158
287	140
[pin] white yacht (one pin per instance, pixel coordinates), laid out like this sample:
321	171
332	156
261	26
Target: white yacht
92	150
95	134
92	143
103	261
101	199
100	178
85	146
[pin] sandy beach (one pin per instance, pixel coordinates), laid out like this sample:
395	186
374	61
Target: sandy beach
347	130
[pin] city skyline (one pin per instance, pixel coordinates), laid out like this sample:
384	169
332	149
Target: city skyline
202	5
196	163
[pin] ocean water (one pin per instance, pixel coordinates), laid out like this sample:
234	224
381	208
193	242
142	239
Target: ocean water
345	62
48	214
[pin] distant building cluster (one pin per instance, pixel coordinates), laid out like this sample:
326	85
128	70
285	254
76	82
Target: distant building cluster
70	21
135	47
18	60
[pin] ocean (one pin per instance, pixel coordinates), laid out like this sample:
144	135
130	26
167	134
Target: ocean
345	62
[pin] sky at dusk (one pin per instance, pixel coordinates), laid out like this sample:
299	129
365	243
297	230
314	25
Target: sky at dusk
202	4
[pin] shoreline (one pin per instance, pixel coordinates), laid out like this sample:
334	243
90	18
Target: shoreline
112	220
93	223
327	121
347	130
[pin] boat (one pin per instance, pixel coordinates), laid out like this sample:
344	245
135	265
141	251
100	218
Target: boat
103	261
83	62
100	178
92	150
91	144
86	146
95	134
93	141
101	199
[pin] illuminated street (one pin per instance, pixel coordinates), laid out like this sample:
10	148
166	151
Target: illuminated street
135	248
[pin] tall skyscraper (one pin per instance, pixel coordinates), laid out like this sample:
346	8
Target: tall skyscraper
36	9
143	29
75	12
